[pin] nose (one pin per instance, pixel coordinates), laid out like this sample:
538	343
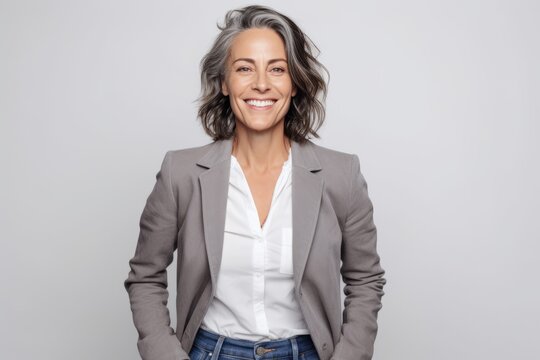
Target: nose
261	82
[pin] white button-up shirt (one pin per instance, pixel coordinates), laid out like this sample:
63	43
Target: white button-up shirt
254	298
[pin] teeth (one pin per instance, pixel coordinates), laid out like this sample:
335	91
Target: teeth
260	103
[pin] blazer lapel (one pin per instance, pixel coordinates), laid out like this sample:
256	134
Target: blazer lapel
307	190
214	184
306	198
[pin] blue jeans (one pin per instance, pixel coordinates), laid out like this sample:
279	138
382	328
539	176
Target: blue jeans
211	346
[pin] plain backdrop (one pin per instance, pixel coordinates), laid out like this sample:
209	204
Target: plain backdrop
439	99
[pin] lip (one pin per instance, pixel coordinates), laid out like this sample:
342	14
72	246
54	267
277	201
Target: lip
259	107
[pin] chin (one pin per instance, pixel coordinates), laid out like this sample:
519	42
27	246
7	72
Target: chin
259	125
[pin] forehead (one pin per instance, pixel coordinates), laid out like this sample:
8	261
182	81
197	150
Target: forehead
257	43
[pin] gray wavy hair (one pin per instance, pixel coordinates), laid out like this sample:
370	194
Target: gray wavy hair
306	113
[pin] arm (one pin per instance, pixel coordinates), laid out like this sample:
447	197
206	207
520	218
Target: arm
147	281
362	274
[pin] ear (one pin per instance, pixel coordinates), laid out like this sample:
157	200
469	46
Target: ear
224	89
294	91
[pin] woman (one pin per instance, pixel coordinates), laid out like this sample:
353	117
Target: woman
261	217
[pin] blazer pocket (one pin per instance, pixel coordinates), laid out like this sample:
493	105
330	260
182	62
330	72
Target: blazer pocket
286	262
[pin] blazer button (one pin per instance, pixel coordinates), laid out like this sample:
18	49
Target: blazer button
324	346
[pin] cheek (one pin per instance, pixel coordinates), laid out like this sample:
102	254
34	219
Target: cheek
285	87
287	105
237	84
235	104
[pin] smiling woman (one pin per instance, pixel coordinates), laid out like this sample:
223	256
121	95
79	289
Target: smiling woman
295	57
265	221
258	82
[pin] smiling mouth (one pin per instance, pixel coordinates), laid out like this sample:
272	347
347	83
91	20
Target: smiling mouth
260	104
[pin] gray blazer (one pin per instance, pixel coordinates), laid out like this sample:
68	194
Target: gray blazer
332	223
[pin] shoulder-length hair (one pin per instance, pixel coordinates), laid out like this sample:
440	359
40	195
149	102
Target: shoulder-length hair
306	112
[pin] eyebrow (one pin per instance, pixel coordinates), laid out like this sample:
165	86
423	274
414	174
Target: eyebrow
249	60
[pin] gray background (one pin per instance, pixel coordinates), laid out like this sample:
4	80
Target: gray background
440	100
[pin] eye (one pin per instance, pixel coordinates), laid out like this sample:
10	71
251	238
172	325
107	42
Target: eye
242	69
278	70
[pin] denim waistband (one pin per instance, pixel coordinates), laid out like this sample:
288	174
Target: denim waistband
263	349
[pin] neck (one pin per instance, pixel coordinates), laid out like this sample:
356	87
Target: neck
261	152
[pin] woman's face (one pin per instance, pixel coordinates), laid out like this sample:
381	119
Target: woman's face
257	79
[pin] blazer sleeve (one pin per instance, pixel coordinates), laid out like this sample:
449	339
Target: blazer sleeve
361	272
147	281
